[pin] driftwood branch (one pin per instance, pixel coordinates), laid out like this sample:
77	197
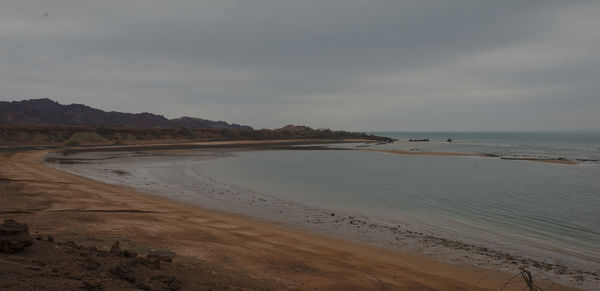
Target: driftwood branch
528	278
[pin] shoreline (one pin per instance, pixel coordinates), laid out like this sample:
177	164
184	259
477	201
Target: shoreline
308	259
284	144
344	226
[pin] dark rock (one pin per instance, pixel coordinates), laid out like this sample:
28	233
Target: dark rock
142	285
168	282
14	236
50	238
75	277
127	254
101	253
151	263
124	273
94	285
159	257
91	249
72	244
90	264
115	249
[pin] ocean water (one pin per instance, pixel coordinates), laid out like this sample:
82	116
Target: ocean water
548	211
545	211
552	145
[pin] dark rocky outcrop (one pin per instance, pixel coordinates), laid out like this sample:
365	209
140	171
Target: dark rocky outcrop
14	237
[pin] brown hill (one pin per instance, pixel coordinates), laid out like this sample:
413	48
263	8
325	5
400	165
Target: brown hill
46	122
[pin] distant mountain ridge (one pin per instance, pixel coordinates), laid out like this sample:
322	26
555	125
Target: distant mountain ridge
48	112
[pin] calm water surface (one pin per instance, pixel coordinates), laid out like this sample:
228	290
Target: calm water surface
550	210
569	145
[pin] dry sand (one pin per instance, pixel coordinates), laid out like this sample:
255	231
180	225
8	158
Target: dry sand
256	254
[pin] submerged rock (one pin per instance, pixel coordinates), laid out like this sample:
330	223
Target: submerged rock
14	237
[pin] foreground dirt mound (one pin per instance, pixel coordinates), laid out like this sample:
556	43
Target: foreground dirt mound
50	265
14	237
66	266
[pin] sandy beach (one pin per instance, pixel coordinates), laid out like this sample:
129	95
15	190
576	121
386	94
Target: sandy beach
259	255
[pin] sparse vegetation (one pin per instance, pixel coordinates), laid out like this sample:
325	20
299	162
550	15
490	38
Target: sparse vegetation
183	131
78	135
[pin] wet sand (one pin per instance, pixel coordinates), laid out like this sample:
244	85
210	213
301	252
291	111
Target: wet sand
90	212
167	173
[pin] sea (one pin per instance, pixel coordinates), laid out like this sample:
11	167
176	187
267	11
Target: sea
576	146
549	211
552	210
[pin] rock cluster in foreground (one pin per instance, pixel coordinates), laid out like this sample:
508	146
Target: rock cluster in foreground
14	237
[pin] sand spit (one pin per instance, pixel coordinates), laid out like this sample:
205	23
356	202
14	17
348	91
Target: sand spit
227	250
457	154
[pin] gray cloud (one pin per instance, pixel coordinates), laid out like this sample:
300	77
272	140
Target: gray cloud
359	65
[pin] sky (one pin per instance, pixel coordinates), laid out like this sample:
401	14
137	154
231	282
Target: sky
418	65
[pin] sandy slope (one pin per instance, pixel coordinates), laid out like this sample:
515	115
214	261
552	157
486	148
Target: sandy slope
75	208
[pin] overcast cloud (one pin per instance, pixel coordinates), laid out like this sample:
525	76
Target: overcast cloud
343	64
